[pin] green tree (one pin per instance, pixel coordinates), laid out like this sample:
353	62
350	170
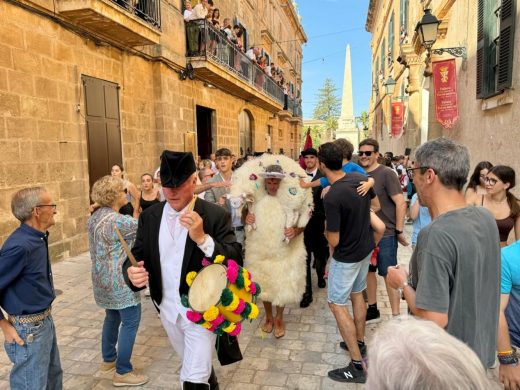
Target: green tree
364	121
328	106
317	135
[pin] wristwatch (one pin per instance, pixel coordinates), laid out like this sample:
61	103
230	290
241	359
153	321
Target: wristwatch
397	232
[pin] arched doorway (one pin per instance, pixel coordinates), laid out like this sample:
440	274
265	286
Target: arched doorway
245	125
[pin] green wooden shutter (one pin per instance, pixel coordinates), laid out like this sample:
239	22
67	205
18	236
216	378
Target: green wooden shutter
506	44
383	55
391	37
481	90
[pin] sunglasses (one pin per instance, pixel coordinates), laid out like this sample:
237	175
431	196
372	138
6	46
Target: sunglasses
367	153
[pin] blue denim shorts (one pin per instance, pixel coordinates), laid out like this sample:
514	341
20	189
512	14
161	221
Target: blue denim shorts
387	255
346	278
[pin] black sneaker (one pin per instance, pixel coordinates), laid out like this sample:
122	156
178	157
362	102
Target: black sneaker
362	348
373	316
348	374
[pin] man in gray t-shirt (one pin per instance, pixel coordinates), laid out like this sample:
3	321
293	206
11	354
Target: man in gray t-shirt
455	268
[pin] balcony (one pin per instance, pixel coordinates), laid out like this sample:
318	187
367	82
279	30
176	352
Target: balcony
218	62
294	109
127	22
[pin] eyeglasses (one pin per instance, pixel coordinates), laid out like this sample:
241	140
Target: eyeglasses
367	153
47	205
490	181
410	170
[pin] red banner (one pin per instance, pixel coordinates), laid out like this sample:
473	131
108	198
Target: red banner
445	87
397	119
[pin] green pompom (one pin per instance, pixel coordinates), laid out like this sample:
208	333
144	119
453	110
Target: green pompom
227	297
184	301
247	311
258	289
240	280
225	324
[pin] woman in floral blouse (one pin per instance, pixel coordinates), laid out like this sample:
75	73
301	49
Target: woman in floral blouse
122	305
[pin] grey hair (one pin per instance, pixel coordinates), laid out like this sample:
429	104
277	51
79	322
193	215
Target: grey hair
416	354
24	201
449	160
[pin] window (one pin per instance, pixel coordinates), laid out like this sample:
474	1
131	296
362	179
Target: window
383	56
403	21
391	40
495	46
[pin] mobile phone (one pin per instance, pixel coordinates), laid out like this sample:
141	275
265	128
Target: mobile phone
407	151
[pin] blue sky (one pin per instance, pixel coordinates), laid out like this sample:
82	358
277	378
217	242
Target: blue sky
324	53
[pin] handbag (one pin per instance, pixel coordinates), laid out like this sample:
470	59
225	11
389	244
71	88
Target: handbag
228	350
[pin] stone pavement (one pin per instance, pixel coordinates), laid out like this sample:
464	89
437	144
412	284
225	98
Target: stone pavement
300	360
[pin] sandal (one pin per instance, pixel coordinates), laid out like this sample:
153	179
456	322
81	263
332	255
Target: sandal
279	329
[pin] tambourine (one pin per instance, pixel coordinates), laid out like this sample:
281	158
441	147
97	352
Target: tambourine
221	296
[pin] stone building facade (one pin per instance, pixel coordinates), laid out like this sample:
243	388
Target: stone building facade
488	109
84	85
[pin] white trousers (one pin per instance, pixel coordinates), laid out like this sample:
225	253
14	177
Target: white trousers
194	345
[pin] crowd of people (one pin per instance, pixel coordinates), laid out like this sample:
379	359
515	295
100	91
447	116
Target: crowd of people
463	283
224	31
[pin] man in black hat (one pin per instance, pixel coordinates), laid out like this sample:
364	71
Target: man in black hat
172	239
313	237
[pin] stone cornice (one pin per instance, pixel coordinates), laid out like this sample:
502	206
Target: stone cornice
369	25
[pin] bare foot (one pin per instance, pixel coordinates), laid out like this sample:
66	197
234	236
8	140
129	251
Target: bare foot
267	327
279	328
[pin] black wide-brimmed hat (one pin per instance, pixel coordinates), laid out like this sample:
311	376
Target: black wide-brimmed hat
309	151
176	168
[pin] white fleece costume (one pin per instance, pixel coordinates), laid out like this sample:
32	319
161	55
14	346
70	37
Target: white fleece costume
279	267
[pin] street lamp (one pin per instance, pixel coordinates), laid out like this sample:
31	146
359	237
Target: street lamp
389	85
427	29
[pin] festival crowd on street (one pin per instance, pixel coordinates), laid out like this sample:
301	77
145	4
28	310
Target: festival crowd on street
373	271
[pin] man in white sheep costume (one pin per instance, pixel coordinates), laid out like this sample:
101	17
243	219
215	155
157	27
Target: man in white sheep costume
274	249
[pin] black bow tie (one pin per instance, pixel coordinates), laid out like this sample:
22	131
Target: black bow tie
310	174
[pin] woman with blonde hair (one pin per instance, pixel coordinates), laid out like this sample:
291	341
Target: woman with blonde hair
122	305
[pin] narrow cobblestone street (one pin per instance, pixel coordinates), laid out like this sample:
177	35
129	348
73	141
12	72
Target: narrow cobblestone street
300	360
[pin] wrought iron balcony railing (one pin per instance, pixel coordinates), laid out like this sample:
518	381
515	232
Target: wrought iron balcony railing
293	106
148	10
204	40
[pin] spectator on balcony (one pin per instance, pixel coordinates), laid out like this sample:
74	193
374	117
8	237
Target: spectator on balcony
268	68
196	38
188	11
226	29
213	17
251	53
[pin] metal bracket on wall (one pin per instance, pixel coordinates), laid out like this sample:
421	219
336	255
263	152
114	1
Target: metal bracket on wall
454	51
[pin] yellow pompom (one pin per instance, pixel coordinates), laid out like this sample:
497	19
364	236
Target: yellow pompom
254	311
211	313
247	284
219	259
190	276
206	325
234	303
230	328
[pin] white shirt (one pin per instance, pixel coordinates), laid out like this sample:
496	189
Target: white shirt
313	173
199	12
187	15
171	249
251	54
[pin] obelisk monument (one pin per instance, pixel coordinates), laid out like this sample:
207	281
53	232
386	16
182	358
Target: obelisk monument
346	123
